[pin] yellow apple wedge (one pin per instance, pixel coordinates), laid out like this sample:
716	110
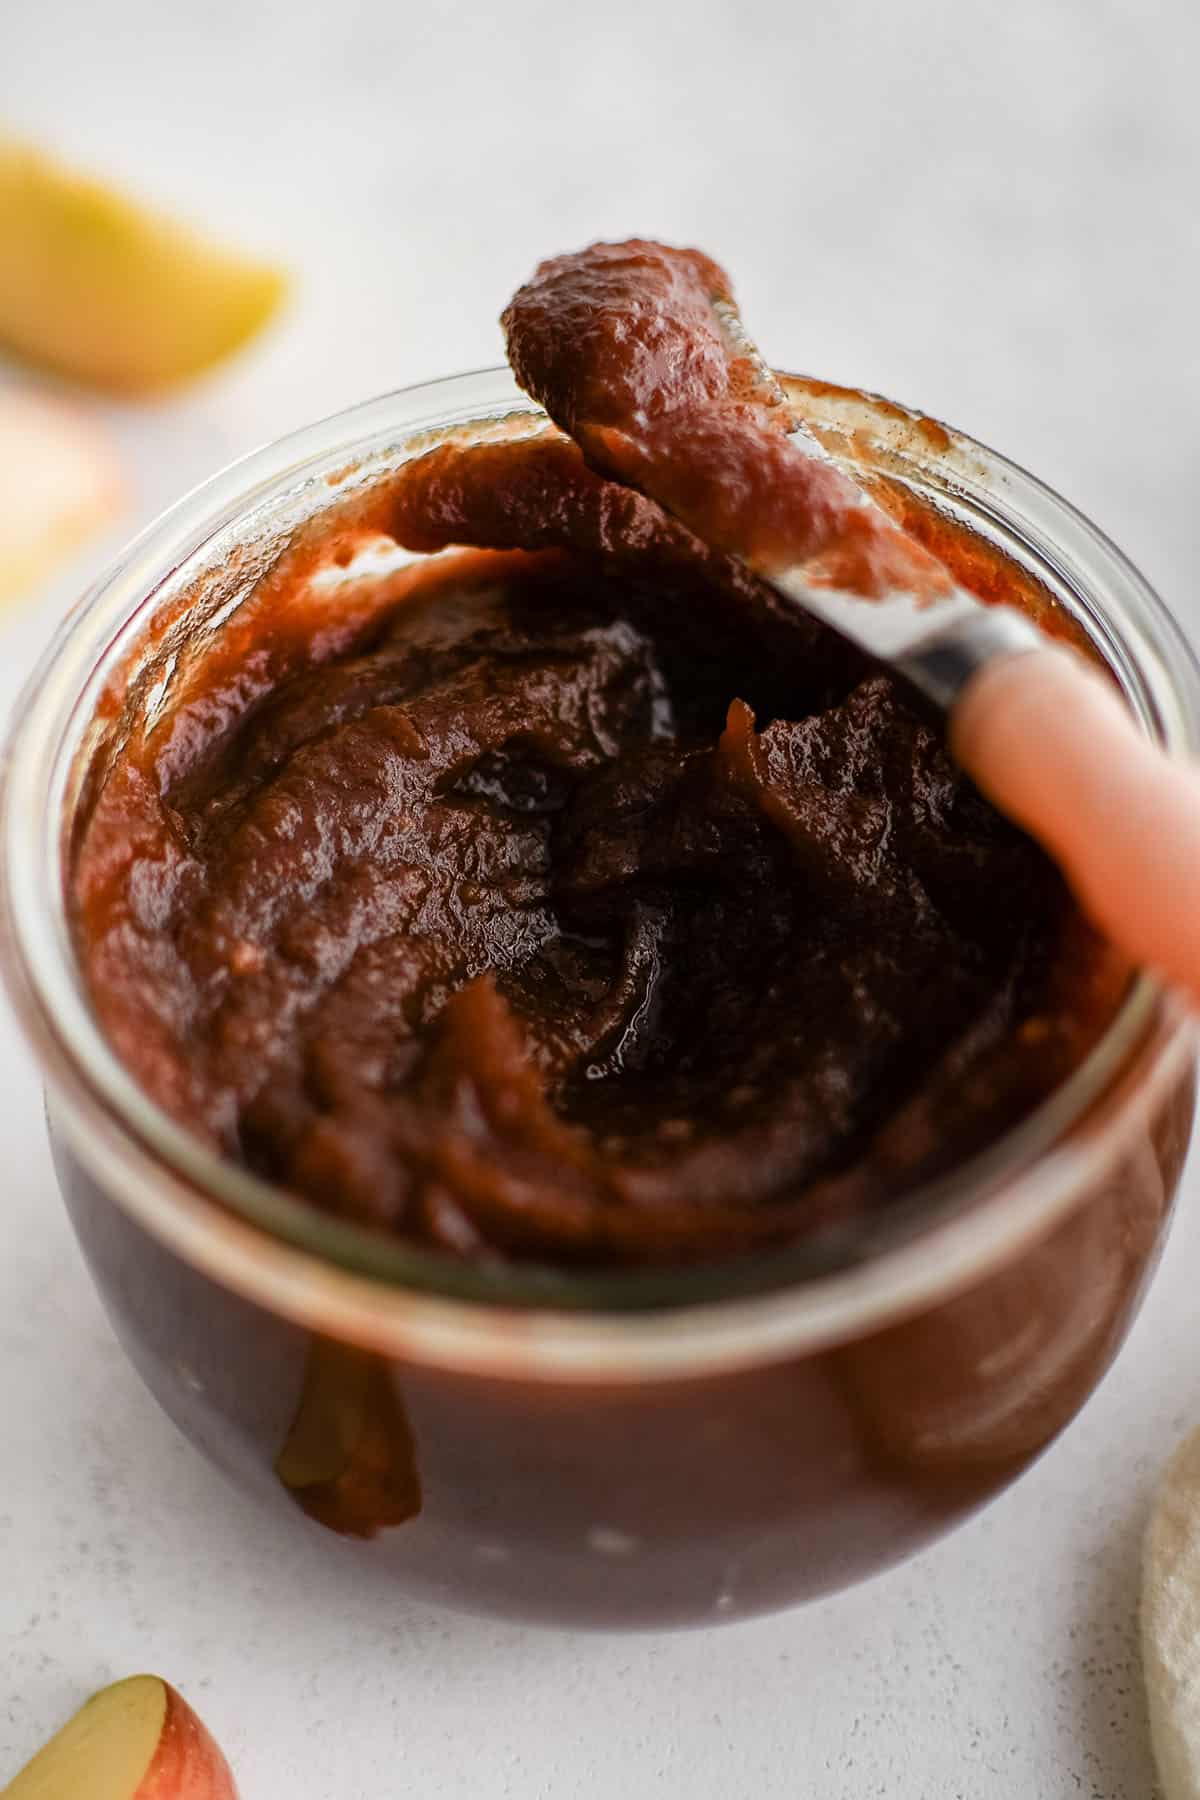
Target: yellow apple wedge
136	1740
110	293
59	482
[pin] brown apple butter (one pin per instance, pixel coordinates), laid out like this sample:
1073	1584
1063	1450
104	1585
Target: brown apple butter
572	898
581	908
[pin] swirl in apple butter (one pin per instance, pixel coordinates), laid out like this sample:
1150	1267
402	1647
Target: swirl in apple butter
570	898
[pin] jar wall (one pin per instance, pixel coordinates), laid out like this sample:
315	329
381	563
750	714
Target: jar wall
669	1502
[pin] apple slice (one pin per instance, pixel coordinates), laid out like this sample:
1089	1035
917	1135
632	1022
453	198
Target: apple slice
109	292
58	484
136	1740
1171	1623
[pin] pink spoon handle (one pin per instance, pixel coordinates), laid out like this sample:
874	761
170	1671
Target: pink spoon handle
1052	746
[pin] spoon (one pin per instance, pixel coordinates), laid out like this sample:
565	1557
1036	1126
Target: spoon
1046	738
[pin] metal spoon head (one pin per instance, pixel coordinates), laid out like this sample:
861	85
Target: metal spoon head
937	642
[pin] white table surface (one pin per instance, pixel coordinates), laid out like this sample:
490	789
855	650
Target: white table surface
989	211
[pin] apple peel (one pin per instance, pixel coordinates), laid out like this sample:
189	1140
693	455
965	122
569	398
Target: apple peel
135	1740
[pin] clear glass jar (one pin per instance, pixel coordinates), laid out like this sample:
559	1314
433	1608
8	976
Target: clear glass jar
618	1449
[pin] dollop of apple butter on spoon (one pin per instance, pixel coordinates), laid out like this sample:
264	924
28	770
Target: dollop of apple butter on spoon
638	352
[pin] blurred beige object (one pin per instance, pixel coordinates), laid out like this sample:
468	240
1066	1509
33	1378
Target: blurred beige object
108	292
59	482
1171	1624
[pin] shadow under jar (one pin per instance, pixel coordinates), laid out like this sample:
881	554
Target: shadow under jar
642	1448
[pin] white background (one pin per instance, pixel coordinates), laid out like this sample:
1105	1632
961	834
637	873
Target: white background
989	211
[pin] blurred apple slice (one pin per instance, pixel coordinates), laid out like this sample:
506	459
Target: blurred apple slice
136	1740
1171	1623
106	291
58	483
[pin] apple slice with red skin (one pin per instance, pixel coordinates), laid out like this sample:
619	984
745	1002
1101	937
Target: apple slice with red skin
136	1740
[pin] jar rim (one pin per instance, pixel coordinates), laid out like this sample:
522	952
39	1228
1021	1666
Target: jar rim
283	1251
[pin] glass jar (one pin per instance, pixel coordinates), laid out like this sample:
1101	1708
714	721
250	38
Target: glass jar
614	1449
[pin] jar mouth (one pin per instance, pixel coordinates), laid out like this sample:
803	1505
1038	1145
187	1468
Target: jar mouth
189	1194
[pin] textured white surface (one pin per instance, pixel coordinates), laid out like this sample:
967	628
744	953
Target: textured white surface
989	211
